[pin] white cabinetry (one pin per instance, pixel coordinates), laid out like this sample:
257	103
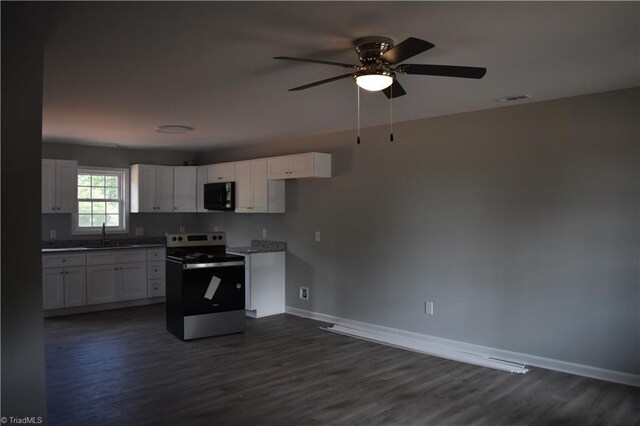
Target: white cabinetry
156	272
254	193
264	283
63	281
184	189
59	185
224	172
116	275
308	165
151	188
102	284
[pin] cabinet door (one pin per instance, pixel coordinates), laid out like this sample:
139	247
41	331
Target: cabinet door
259	186
279	167
164	188
132	281
53	288
184	189
144	190
102	284
75	286
201	179
225	172
301	165
244	188
66	185
48	186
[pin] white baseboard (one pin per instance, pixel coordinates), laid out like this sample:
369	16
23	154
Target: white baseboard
454	346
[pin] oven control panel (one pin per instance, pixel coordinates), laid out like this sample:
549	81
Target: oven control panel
196	240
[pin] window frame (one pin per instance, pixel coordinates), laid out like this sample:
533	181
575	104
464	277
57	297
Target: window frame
124	202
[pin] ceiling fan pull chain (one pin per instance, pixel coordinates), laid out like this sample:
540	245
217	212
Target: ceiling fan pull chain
391	108
358	88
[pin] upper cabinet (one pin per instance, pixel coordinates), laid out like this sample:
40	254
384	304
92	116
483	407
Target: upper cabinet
254	193
309	165
184	189
225	172
59	185
151	188
259	183
163	189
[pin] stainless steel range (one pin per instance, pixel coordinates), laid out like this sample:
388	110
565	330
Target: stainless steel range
205	286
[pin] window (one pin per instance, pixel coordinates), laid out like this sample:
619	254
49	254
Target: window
102	198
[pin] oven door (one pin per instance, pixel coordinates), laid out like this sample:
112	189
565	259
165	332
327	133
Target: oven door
212	287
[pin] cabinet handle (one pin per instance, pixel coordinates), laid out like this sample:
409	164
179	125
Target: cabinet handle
61	272
155	270
53	208
219	177
64	260
175	208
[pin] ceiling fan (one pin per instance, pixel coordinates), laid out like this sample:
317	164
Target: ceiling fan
379	65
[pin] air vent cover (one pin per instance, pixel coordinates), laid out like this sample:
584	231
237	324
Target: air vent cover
512	98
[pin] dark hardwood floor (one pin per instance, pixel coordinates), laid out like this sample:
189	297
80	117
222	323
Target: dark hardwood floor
123	368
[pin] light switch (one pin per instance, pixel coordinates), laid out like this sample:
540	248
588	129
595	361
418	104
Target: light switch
317	236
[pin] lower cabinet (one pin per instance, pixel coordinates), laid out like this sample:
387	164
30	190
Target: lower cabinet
264	283
111	283
102	284
64	287
109	276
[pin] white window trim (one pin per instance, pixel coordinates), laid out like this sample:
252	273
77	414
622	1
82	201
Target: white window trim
124	229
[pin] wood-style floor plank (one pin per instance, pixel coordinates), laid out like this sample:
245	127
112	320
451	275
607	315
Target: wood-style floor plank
122	367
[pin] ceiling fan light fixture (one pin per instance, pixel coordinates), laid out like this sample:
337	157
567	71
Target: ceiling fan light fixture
374	82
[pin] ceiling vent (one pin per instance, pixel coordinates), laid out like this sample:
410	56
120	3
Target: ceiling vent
512	98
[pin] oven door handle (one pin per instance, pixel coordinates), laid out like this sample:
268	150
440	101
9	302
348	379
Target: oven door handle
212	265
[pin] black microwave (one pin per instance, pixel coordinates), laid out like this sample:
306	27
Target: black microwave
219	196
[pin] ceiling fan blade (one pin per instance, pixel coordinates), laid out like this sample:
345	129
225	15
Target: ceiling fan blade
318	83
442	70
315	61
395	89
403	51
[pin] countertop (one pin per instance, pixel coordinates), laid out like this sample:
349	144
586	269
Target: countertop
62	246
260	246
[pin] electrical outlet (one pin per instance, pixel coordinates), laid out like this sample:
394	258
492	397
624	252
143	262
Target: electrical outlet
52	234
264	232
139	231
428	308
182	229
216	229
317	236
304	293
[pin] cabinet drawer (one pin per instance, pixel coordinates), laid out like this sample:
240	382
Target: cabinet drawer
155	270
131	256
156	288
102	258
156	254
60	260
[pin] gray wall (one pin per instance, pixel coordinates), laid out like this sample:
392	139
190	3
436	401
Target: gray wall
153	224
23	389
520	223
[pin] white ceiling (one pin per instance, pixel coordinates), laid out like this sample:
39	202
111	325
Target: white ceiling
116	70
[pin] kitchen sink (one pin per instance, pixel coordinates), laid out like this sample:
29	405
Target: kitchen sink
108	244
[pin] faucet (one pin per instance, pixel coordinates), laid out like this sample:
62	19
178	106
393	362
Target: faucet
104	235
